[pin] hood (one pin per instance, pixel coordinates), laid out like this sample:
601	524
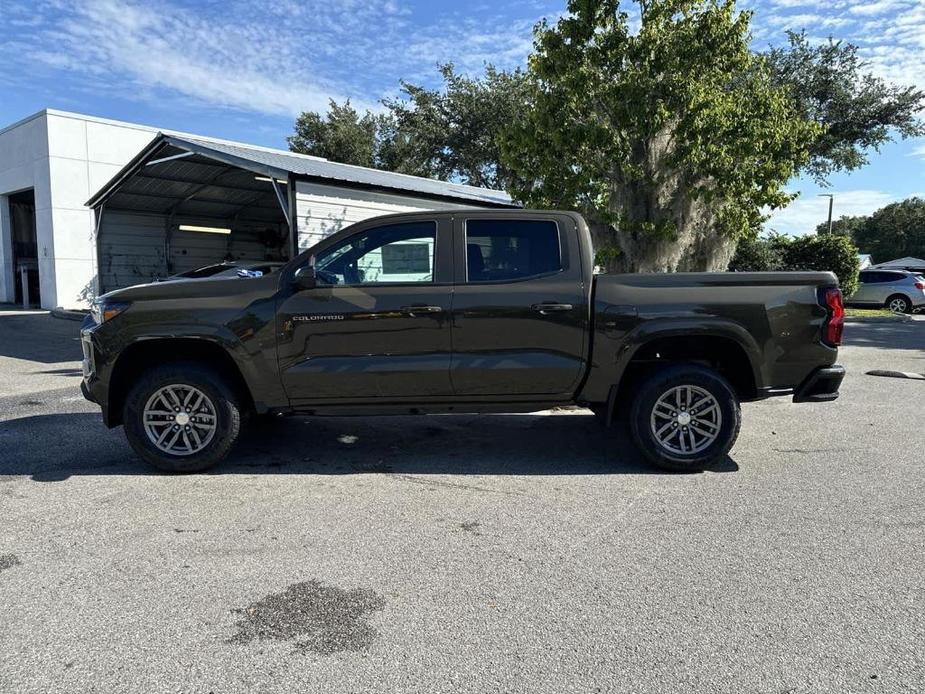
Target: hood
205	289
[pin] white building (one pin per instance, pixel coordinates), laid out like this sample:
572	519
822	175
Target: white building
147	192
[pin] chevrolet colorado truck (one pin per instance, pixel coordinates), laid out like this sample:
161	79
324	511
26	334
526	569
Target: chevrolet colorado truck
464	311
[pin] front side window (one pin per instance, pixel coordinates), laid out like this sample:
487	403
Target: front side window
386	254
511	249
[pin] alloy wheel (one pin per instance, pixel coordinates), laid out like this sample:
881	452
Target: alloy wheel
686	420
179	420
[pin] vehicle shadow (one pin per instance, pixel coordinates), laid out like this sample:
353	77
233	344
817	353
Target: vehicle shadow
38	337
54	447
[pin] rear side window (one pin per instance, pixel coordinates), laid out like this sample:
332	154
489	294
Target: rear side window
894	276
511	249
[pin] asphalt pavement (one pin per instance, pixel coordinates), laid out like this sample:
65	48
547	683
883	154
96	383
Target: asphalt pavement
518	553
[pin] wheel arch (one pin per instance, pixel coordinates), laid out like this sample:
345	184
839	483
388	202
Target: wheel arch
142	355
722	350
898	295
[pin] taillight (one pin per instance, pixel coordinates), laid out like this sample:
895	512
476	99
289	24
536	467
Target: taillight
920	285
835	323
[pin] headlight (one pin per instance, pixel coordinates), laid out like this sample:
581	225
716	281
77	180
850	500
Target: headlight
104	310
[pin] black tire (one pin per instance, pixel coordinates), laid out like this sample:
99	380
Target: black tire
600	414
660	383
225	401
904	304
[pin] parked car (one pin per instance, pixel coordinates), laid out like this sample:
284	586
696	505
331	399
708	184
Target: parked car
459	311
897	290
228	269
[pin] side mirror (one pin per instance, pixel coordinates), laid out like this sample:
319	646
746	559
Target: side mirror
305	277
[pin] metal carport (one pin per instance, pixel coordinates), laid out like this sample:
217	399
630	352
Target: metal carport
174	208
251	199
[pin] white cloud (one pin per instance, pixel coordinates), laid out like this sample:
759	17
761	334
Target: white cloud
805	213
275	57
890	34
870	8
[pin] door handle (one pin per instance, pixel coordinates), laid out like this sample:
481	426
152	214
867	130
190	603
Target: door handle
415	311
547	308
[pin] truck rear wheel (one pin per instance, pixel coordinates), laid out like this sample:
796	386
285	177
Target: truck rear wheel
182	417
685	418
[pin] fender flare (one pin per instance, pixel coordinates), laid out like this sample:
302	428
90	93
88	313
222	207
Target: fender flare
695	326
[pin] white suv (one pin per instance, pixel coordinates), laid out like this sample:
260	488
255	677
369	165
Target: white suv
897	290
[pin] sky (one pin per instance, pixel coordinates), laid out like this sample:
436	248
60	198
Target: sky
244	69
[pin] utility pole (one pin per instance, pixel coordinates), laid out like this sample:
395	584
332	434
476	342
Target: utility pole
831	201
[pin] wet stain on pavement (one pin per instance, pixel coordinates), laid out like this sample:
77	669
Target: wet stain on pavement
471	527
8	561
320	619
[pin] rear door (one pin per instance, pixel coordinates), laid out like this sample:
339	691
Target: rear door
872	288
519	308
377	323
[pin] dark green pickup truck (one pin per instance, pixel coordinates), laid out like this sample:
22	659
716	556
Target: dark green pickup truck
462	311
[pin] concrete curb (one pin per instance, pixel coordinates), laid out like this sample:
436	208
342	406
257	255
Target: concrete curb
878	319
897	374
69	315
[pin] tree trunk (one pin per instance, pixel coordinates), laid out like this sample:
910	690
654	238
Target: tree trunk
665	228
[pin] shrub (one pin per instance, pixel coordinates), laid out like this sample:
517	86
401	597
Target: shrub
836	254
754	254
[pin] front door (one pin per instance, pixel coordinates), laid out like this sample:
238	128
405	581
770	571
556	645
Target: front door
377	323
520	307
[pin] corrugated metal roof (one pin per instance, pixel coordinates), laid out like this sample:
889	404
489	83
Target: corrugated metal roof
283	162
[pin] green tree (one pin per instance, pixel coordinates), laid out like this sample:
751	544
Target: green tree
670	140
855	110
894	231
341	135
843	226
454	132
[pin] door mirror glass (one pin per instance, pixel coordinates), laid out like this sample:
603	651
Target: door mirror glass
306	277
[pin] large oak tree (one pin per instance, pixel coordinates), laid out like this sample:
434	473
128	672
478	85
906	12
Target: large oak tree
671	138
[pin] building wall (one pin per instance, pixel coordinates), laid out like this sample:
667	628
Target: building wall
83	156
24	165
65	158
324	209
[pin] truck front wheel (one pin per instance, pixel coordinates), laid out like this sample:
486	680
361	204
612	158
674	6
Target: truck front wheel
685	417
182	417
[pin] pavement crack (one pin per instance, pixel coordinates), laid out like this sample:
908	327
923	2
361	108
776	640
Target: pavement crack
452	485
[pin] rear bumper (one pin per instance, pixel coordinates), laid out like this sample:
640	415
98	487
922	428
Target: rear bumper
821	385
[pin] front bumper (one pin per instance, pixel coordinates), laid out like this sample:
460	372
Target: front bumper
821	385
91	386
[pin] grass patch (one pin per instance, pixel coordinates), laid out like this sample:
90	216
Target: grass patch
867	312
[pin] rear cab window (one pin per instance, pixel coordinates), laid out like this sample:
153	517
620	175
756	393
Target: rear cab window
505	250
